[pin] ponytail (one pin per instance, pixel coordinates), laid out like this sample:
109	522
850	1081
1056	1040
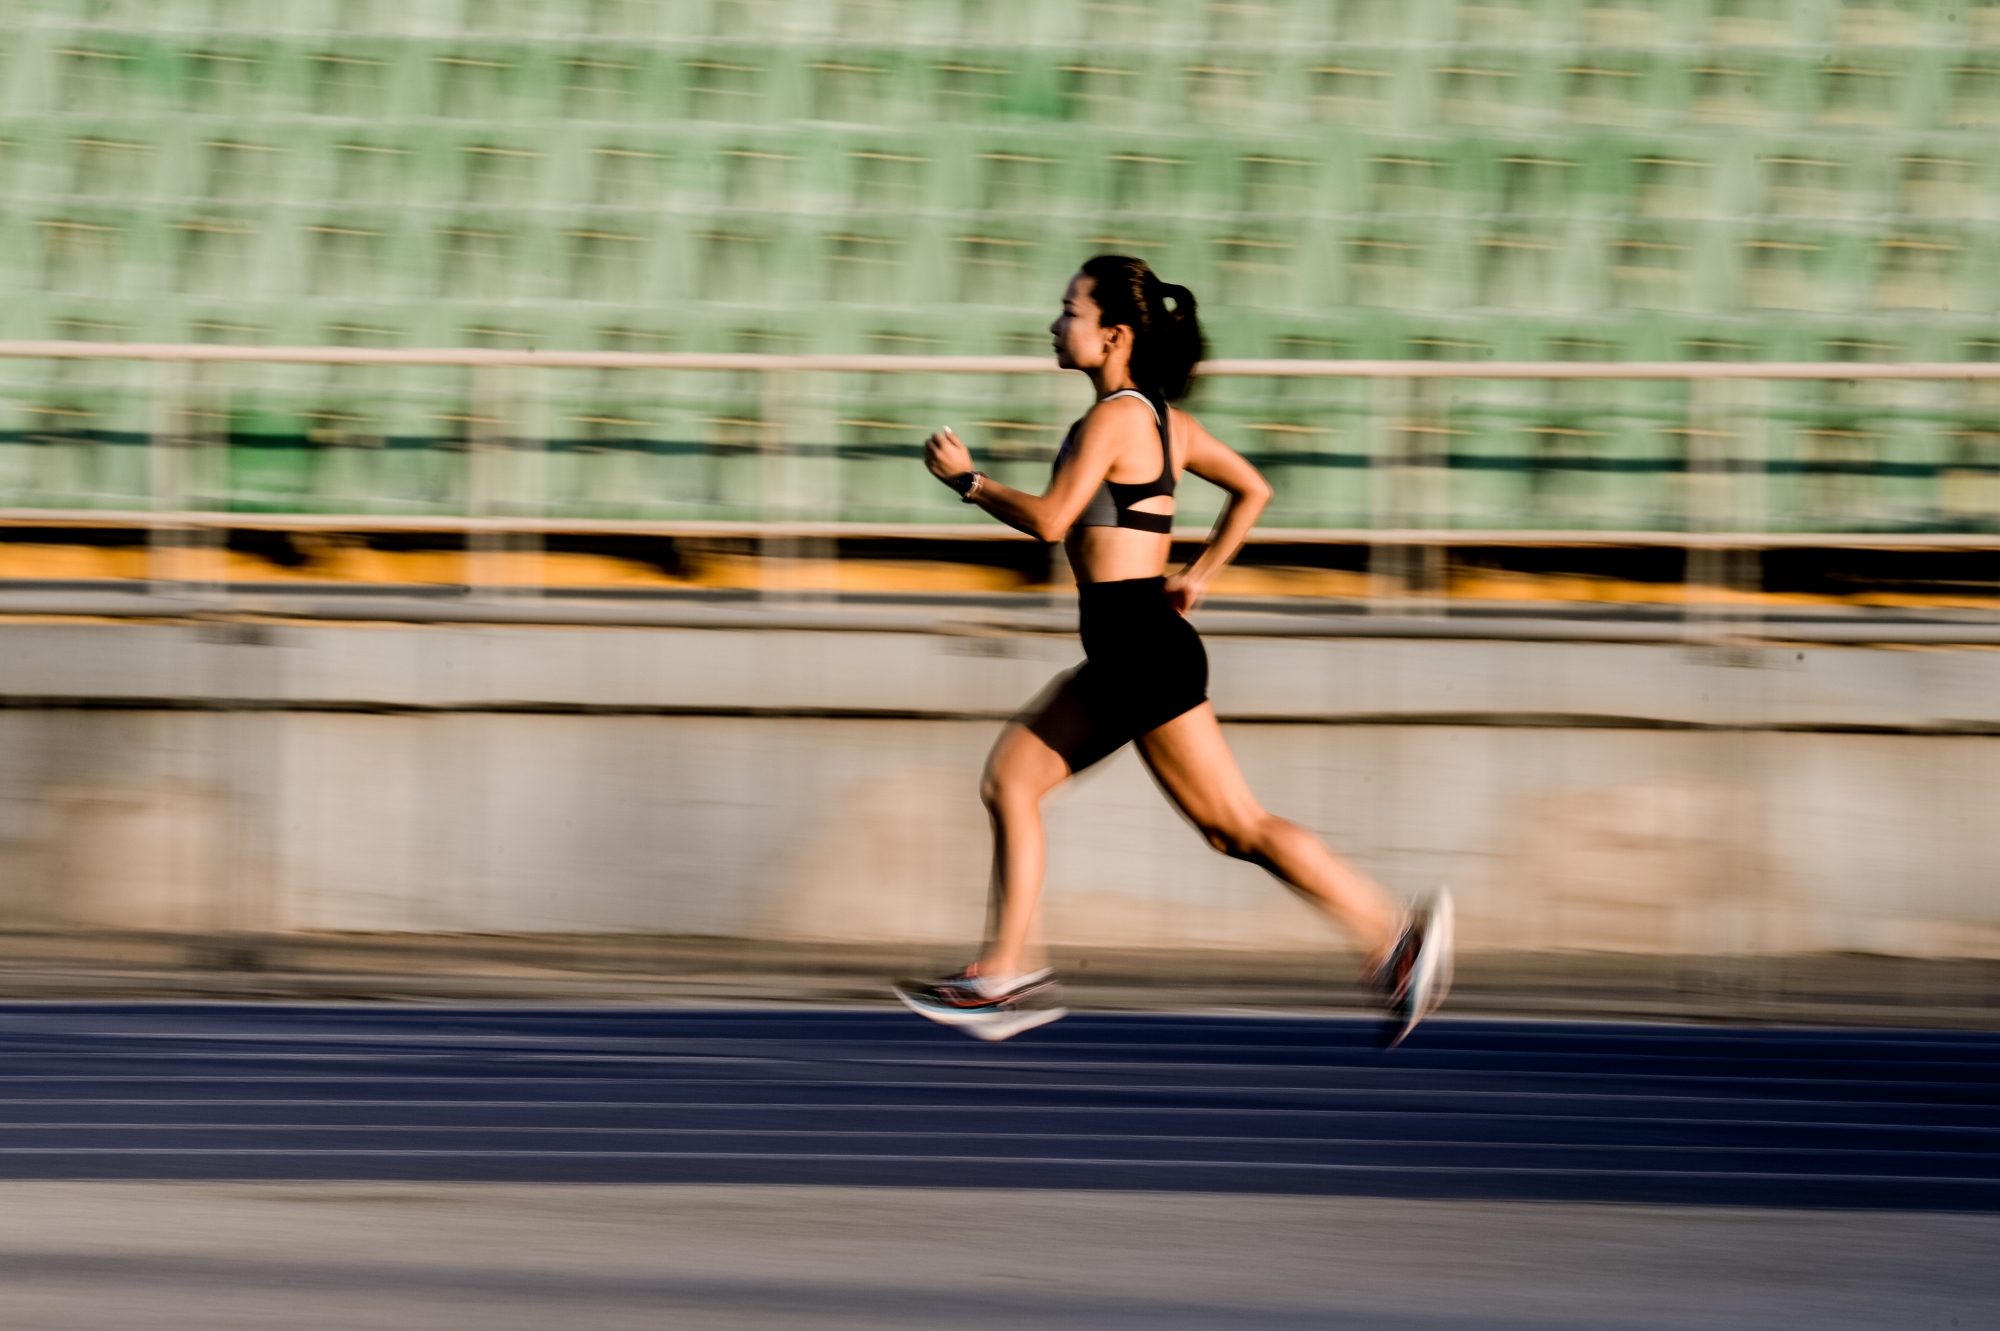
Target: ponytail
1166	331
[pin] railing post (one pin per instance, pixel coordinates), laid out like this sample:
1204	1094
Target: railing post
1725	493
182	559
506	477
165	422
1702	573
1404	577
1387	576
529	456
779	554
483	440
1752	508
1427	504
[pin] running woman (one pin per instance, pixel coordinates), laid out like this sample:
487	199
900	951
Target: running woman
1110	501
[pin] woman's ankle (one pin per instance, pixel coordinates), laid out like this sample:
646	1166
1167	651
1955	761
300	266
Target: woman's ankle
1000	970
1378	956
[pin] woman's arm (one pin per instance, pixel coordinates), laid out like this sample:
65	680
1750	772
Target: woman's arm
1049	516
1220	465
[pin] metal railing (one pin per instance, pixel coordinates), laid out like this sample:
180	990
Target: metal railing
1724	464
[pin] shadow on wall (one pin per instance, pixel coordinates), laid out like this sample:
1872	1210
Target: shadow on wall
139	854
893	854
1660	866
870	830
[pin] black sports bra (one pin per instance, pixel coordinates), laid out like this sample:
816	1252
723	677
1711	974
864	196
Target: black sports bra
1111	506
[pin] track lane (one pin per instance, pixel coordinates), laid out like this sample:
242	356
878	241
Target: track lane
1468	1109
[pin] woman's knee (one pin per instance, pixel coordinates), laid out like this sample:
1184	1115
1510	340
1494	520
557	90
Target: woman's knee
1020	774
1002	788
1241	836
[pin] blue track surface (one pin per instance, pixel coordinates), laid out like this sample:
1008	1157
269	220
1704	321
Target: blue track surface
1830	1118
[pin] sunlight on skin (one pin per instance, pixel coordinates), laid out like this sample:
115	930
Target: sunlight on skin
1188	756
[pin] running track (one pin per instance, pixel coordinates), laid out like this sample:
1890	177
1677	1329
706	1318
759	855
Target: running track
1827	1118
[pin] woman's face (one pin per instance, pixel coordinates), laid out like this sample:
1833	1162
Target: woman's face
1081	342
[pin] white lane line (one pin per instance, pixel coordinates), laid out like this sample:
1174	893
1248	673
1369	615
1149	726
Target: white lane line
1046	1066
928	1046
115	1056
1119	1088
468	1039
1634	1046
905	1106
406	1050
918	1041
1014	1161
868	1135
657	1107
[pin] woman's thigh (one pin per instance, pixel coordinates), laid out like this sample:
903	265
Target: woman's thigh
1191	760
1036	750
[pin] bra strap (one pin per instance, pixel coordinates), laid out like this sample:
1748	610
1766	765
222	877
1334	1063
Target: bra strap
1133	392
1159	419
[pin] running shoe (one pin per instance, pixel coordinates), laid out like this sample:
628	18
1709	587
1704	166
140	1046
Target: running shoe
982	1009
1417	974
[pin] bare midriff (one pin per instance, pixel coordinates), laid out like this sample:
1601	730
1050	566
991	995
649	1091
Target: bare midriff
1114	554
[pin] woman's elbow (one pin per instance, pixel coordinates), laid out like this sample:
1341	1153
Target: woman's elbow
1046	523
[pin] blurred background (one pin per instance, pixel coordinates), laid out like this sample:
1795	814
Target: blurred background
352	634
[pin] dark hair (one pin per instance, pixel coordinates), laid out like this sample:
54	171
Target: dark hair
1166	334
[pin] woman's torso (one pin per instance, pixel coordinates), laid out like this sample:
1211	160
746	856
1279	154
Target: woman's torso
1099	552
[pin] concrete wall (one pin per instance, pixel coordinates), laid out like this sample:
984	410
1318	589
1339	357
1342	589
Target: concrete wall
790	785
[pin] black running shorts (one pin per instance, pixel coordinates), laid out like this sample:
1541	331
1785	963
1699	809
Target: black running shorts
1145	665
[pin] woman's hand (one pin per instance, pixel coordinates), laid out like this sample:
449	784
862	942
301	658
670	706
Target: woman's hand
946	456
1185	591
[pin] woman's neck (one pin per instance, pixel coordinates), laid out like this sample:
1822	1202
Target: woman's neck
1109	379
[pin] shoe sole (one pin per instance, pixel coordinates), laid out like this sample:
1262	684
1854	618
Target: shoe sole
1014	1024
990	1026
1431	975
1443	969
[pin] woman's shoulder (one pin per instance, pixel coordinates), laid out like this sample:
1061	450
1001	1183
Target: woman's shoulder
1185	424
1118	414
1122	406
